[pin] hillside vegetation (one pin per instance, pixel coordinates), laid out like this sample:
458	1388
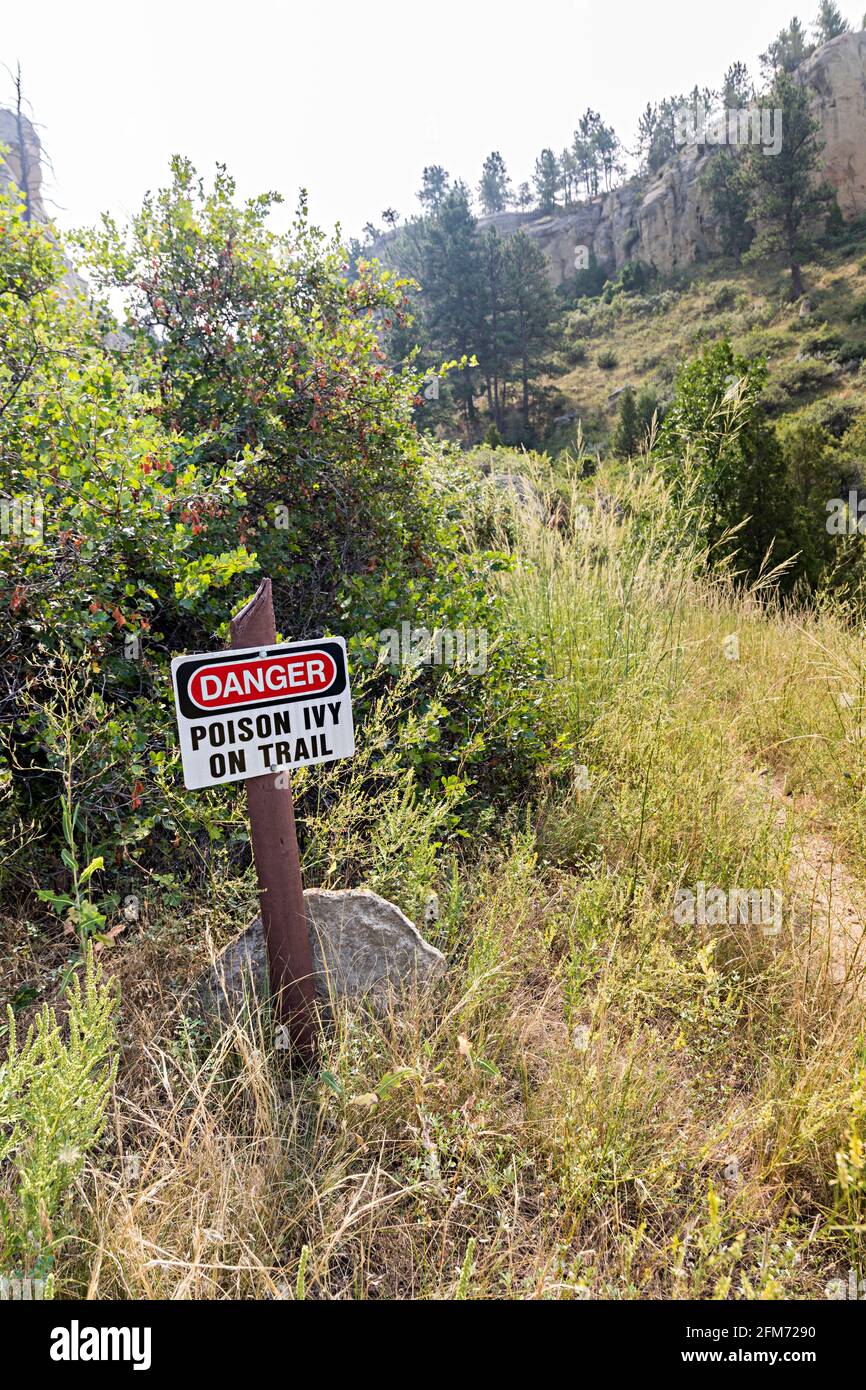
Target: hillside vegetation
814	357
636	830
598	1101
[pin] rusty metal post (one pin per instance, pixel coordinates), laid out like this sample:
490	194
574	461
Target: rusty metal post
278	867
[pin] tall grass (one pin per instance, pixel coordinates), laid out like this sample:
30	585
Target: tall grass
597	1100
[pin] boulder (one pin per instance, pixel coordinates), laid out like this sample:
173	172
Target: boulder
362	945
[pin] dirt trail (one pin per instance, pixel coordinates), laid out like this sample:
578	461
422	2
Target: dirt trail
829	905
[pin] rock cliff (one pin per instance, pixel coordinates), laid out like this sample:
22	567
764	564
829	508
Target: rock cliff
14	168
668	222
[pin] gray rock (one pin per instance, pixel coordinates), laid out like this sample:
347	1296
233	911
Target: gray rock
362	945
615	395
518	487
118	340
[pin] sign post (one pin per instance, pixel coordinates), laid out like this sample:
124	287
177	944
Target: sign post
252	714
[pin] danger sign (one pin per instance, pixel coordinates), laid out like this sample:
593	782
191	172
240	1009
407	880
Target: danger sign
258	710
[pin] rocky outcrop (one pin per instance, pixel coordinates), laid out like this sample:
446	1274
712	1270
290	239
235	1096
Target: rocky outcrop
668	222
21	165
21	159
836	77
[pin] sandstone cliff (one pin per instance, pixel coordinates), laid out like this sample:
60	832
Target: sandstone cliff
668	222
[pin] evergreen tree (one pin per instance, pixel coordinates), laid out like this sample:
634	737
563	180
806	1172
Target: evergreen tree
546	179
524	197
648	411
657	133
532	308
627	436
495	346
726	182
786	199
608	152
585	148
568	176
494	189
434	186
829	23
454	289
787	51
736	87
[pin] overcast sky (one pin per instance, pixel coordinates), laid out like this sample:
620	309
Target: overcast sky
349	100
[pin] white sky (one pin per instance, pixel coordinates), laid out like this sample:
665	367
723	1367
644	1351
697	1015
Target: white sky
349	99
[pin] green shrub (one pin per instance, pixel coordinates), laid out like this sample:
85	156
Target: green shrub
717	448
607	359
53	1097
575	354
248	426
798	378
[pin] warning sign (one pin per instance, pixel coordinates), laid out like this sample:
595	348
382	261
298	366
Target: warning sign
259	710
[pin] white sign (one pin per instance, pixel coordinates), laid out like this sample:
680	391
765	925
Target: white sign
260	710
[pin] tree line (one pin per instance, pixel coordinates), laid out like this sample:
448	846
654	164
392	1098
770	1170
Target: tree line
486	304
596	158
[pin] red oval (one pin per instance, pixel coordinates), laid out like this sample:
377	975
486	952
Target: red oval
255	680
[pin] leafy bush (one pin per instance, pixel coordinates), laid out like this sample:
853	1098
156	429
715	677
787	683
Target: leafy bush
723	295
241	423
715	439
851	350
607	359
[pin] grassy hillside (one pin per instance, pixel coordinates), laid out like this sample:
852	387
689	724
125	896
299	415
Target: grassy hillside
643	338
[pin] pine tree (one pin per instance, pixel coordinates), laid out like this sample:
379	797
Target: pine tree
786	200
736	87
494	189
531	310
726	182
454	289
608	151
657	133
648	412
434	186
568	176
495	346
546	180
586	151
787	51
829	23
627	436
